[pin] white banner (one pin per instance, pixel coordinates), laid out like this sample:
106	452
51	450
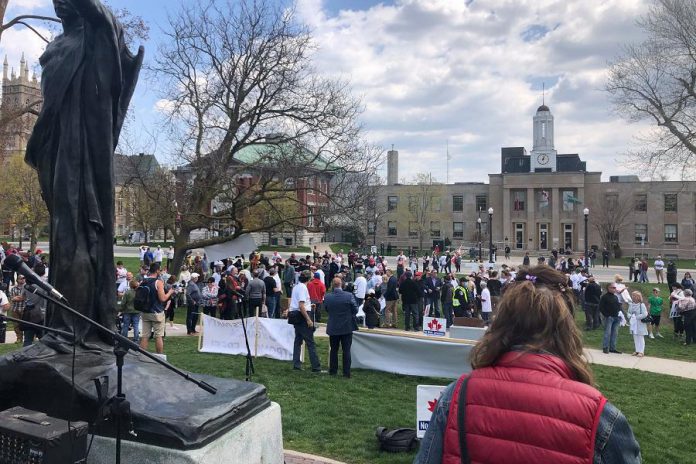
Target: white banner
427	397
413	355
270	338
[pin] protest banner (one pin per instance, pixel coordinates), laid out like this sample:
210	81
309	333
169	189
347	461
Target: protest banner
270	338
427	397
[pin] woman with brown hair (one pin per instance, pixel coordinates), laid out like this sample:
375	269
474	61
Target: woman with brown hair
529	397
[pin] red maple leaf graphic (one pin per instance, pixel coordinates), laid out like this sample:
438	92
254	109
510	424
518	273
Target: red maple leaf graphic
432	404
434	325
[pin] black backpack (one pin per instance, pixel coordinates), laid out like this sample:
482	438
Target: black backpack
396	440
144	296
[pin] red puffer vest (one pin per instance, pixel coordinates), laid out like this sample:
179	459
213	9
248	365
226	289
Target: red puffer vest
525	409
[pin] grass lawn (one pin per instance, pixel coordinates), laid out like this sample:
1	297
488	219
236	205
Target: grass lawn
337	247
335	417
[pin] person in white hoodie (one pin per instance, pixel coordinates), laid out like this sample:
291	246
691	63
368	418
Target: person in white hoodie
636	313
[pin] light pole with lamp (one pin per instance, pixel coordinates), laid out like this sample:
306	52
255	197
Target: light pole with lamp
586	212
215	226
490	235
478	225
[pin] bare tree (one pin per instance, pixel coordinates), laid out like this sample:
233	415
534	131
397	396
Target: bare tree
255	129
423	195
611	215
656	81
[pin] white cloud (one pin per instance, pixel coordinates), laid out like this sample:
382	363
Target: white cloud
431	71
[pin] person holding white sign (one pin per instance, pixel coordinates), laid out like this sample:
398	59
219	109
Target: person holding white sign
544	408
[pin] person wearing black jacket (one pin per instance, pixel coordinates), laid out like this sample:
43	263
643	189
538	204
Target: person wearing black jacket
410	295
494	286
391	296
610	307
593	293
433	286
421	300
446	298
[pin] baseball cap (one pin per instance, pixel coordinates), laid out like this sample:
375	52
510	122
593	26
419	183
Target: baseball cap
317	275
195	275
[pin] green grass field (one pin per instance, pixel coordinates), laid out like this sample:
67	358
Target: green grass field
336	417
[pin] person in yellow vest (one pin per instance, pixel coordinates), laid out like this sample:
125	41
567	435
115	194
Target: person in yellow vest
460	299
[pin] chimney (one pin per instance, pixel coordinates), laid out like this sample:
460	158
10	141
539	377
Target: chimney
392	167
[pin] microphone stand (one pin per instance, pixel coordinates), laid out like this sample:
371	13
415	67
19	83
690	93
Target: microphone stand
117	406
249	360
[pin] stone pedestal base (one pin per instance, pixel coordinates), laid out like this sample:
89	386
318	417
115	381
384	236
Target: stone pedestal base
257	440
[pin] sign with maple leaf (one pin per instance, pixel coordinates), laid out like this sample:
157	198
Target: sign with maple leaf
434	327
427	397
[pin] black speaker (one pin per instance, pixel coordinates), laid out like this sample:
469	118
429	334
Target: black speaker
30	437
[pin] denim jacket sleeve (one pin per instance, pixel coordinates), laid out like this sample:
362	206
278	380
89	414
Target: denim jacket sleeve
614	442
432	444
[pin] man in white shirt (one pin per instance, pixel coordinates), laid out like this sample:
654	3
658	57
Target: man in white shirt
4	303
486	307
123	286
300	315
660	270
158	255
121	272
360	288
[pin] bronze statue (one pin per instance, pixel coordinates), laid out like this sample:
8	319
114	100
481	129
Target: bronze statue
88	79
87	82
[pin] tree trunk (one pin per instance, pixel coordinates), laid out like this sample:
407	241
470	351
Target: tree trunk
181	241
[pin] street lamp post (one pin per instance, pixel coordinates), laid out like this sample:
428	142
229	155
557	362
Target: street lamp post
478	225
215	226
490	235
586	212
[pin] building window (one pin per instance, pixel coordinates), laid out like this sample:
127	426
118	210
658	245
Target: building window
481	202
371	227
412	203
671	233
457	203
641	233
458	229
437	204
641	202
391	228
435	229
288	241
612	201
543	200
670	202
392	203
412	229
569	201
519	198
310	216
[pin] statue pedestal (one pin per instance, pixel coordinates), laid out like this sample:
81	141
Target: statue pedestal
258	439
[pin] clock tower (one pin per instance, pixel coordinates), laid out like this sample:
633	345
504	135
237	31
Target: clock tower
543	155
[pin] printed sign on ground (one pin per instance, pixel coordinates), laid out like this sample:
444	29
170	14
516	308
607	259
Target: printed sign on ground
427	397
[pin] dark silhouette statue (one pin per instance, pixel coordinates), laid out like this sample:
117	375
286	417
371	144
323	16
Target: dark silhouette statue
87	82
88	79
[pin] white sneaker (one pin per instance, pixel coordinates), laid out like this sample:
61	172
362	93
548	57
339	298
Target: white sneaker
660	336
652	336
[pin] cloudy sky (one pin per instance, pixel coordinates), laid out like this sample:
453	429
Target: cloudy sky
438	72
